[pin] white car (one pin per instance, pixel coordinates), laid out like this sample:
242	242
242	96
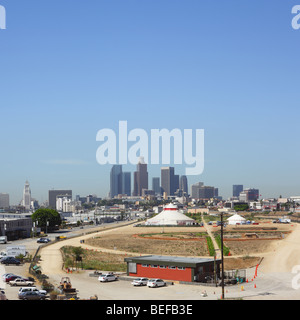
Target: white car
140	282
35	289
107	277
21	282
154	283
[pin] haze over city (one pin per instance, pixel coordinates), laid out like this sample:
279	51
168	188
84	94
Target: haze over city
70	70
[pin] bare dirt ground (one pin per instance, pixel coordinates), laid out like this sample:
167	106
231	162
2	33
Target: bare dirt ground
127	241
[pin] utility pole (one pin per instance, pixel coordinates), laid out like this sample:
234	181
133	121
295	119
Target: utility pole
222	256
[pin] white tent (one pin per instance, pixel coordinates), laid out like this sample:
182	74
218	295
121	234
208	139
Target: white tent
170	216
236	219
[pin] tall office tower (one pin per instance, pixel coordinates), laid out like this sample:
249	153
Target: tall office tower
55	194
176	183
26	202
195	190
126	183
167	180
115	180
183	184
4	200
140	178
216	194
156	185
237	189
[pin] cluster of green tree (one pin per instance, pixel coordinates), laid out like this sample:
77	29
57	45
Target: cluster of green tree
241	207
46	218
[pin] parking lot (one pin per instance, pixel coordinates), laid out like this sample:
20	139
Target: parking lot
22	270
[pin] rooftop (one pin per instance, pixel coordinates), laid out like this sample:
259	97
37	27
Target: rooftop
170	260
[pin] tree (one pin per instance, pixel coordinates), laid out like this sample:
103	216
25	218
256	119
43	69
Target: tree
241	207
42	216
77	253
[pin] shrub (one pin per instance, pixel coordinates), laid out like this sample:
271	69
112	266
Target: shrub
210	246
226	250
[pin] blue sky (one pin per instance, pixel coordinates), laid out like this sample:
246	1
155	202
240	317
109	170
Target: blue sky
70	68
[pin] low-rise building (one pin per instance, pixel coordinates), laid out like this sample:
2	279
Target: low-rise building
15	226
173	268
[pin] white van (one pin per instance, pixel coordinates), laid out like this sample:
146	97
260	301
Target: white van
3	239
26	289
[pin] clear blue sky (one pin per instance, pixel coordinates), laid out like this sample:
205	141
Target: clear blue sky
69	68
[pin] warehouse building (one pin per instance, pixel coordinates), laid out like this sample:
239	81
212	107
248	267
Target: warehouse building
15	226
173	268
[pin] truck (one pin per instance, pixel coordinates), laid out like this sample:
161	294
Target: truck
3	239
14	251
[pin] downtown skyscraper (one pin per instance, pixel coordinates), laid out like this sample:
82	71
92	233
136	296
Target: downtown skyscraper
120	182
140	178
168	180
115	180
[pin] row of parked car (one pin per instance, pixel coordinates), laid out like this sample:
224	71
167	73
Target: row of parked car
151	283
10	260
27	290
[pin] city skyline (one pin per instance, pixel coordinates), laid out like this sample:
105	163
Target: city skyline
128	184
227	68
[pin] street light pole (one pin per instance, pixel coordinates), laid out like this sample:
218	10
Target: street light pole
222	255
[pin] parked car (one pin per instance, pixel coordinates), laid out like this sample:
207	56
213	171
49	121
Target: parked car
43	240
154	283
10	260
31	295
35	289
11	278
107	277
7	275
2	295
20	282
140	282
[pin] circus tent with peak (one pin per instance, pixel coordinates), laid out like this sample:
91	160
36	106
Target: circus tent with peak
170	216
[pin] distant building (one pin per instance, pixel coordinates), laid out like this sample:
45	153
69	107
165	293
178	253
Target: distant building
201	192
126	183
4	200
176	183
206	192
156	185
183	184
115	180
237	189
140	178
63	204
249	195
54	194
195	190
26	202
167	180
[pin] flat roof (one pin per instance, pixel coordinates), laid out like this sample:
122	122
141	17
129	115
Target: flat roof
171	260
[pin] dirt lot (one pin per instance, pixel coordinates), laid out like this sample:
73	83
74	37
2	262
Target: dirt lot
126	241
138	240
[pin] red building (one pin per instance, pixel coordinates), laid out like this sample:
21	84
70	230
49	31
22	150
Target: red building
173	268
